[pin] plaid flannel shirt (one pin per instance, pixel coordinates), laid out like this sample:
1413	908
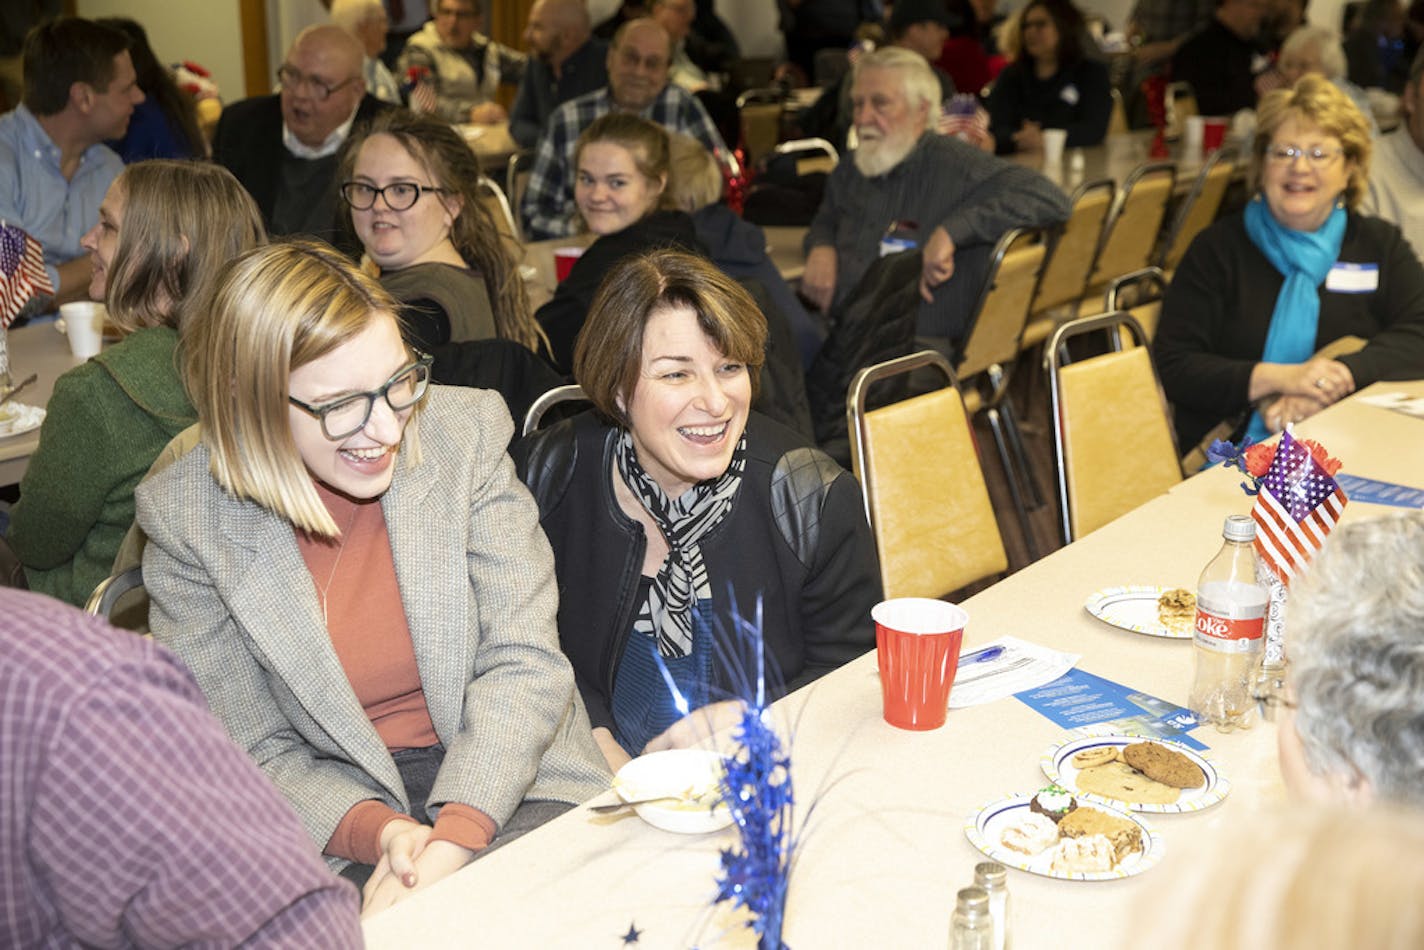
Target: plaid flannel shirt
548	206
1158	20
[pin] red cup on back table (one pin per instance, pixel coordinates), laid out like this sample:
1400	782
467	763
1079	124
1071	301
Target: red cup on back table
917	644
564	259
1213	133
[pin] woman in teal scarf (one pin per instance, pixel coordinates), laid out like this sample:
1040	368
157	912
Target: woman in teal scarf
1255	324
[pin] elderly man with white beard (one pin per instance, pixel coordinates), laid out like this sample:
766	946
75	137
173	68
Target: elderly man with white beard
958	199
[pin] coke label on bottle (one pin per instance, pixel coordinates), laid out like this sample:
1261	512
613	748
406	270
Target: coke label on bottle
1231	616
1228	634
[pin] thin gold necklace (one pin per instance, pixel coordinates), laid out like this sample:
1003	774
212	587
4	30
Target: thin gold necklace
330	577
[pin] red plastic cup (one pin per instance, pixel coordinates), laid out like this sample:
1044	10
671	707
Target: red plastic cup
917	643
1213	134
564	258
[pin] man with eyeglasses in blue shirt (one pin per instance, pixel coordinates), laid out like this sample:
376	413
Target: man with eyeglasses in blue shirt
284	147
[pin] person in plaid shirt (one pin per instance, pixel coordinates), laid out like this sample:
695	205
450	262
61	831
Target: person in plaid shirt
128	818
638	64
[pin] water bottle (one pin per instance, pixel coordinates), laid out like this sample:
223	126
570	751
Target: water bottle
1229	631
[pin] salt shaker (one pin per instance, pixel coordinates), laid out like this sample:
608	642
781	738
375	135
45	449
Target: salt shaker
971	927
994	878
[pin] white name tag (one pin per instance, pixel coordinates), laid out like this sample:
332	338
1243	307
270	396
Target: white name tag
1353	278
894	245
1069	94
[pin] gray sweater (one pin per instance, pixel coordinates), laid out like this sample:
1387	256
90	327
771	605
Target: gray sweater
943	182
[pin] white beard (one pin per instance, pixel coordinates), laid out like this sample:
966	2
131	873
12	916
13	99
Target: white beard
876	156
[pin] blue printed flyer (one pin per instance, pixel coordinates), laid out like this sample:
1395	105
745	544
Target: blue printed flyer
1377	492
1078	698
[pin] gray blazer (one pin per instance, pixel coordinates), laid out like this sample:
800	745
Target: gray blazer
233	597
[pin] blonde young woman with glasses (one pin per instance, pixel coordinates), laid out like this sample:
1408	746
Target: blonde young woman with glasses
1260	293
359	583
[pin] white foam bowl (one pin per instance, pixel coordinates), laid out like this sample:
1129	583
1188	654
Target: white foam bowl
693	776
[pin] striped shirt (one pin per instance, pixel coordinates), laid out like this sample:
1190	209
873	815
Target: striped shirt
128	817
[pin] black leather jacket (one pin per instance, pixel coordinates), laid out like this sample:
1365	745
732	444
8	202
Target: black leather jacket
796	536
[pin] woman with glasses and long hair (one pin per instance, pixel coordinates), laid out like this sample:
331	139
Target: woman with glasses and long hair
409	190
1257	315
357	579
165	229
1051	83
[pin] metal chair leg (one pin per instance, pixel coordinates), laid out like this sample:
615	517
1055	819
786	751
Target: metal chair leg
996	425
1015	437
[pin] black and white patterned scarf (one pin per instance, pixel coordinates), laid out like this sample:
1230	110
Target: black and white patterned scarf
667	613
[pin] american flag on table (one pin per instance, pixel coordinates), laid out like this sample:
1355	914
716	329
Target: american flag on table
1299	504
22	273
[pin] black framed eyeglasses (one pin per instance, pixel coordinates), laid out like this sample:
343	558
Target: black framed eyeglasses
348	415
1314	157
289	77
398	195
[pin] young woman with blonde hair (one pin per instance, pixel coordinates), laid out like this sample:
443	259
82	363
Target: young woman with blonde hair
371	614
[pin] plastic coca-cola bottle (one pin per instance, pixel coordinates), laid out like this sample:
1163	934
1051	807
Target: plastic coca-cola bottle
1230	630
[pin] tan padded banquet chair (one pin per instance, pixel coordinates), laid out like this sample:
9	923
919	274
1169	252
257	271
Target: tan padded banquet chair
1130	237
1070	261
516	182
991	347
1140	295
1199	207
759	113
924	490
495	202
1107	410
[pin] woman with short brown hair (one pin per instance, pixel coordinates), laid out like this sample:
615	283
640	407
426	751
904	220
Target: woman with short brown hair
674	509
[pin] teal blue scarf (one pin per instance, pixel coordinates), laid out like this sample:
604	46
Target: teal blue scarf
1304	258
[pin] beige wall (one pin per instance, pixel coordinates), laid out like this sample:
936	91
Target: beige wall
204	31
753	23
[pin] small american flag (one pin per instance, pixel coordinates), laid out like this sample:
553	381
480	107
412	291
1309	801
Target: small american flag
1298	506
22	273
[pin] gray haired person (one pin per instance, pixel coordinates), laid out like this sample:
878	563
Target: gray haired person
1352	723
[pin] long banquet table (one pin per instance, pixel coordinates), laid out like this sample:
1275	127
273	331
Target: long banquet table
885	850
492	146
783	246
1116	158
41	349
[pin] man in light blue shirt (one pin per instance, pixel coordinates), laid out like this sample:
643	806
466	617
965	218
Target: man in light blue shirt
80	89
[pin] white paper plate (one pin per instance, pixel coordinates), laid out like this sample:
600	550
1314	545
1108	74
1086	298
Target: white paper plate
1135	609
1057	764
27	419
986	825
674	772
